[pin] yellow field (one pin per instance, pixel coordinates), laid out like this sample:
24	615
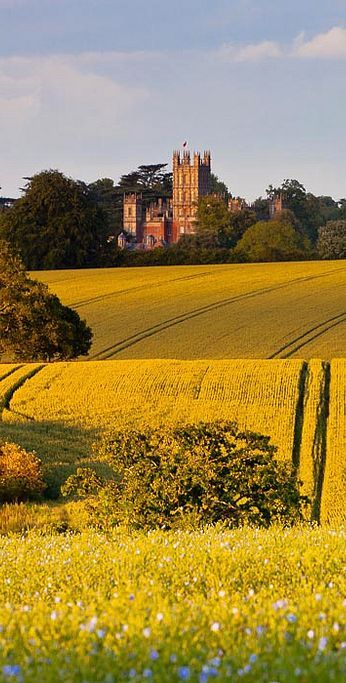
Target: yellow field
64	407
333	506
266	310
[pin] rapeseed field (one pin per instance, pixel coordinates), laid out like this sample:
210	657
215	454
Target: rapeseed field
265	310
60	409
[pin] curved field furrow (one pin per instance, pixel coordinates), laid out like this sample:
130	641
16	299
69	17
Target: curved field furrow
12	380
121	292
223	311
116	348
305	338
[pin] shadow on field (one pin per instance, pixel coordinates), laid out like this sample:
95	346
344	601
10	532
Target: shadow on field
62	448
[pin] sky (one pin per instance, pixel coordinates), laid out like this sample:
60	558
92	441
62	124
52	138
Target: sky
97	87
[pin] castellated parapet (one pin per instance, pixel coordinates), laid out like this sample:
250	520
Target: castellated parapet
191	180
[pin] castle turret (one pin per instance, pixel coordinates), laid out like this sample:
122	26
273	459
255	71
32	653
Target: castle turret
133	214
190	182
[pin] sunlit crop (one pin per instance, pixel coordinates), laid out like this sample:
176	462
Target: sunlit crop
172	607
264	310
333	507
66	407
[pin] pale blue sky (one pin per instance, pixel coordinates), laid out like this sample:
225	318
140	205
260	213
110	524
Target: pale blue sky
97	87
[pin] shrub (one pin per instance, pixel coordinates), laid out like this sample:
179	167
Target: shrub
203	473
20	474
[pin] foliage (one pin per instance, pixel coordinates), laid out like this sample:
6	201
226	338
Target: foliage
217	186
239	222
151	180
84	482
272	241
20	474
34	325
208	471
106	196
57	223
213	222
307	208
331	242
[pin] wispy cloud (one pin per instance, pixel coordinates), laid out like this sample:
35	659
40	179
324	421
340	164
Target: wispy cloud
329	45
250	53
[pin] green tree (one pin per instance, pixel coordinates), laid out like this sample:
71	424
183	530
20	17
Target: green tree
305	206
205	473
106	196
273	240
152	180
213	222
239	222
34	325
331	242
217	186
56	224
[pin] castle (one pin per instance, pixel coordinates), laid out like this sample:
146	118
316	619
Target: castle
165	220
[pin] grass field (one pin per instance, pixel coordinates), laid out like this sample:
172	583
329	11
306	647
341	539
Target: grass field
267	310
59	410
250	606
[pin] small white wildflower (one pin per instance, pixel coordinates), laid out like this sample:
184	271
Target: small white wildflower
215	626
310	634
146	632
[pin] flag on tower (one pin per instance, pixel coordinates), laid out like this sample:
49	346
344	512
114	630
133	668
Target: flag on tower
185	143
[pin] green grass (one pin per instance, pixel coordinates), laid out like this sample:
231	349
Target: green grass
250	606
262	310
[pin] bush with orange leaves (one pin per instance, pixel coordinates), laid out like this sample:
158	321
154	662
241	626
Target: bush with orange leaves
20	474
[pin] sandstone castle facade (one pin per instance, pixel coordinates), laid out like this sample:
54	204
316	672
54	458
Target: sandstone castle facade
165	220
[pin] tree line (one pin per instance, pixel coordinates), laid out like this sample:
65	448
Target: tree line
64	223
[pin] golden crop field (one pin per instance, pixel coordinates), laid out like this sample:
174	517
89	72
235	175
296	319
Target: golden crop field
63	407
265	310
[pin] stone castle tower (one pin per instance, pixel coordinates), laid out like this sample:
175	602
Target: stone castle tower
133	214
190	182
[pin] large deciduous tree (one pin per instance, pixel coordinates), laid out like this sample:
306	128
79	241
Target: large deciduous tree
274	240
304	205
331	242
213	222
56	224
34	325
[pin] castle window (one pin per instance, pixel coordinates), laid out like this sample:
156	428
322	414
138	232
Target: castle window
129	211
